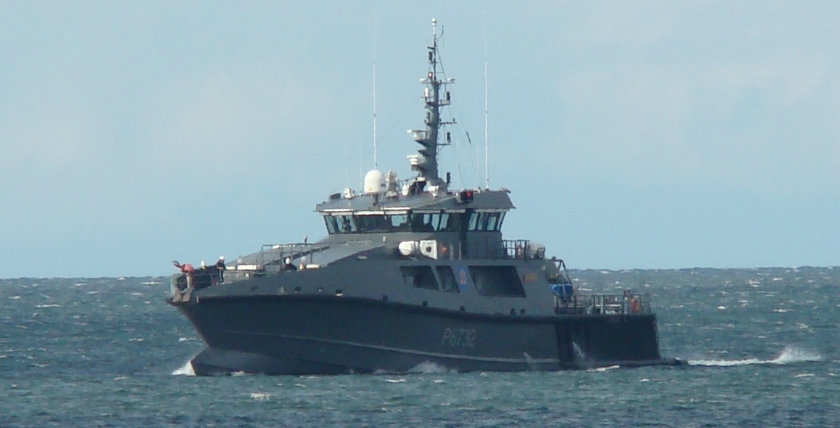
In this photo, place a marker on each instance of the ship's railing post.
(515, 248)
(173, 285)
(603, 304)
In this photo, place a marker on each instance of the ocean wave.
(260, 396)
(429, 368)
(185, 370)
(788, 356)
(604, 369)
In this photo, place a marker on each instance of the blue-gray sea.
(762, 346)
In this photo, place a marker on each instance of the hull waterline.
(299, 335)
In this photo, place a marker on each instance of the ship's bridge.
(463, 211)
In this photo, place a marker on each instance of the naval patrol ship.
(412, 274)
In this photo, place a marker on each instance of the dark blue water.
(762, 344)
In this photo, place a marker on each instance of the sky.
(644, 134)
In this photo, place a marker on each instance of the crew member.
(289, 267)
(635, 307)
(220, 268)
(187, 269)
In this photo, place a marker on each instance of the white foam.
(260, 396)
(788, 356)
(796, 355)
(604, 369)
(185, 370)
(428, 368)
(726, 363)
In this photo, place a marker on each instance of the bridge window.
(373, 223)
(431, 222)
(422, 222)
(501, 219)
(399, 223)
(444, 221)
(473, 225)
(340, 224)
(346, 224)
(332, 225)
(486, 221)
(492, 220)
(381, 223)
(419, 276)
(450, 222)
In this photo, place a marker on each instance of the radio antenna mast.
(374, 99)
(486, 147)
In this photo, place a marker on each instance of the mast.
(486, 147)
(374, 100)
(427, 164)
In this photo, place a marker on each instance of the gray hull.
(332, 335)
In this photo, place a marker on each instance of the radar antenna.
(435, 96)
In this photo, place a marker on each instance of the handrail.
(275, 254)
(269, 260)
(514, 248)
(607, 304)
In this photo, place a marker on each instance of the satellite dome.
(374, 182)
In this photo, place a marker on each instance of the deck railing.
(514, 248)
(270, 260)
(275, 254)
(608, 304)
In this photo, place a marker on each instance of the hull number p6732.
(459, 337)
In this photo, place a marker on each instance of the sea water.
(761, 345)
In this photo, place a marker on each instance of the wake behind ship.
(411, 273)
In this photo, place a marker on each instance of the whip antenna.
(374, 99)
(486, 147)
